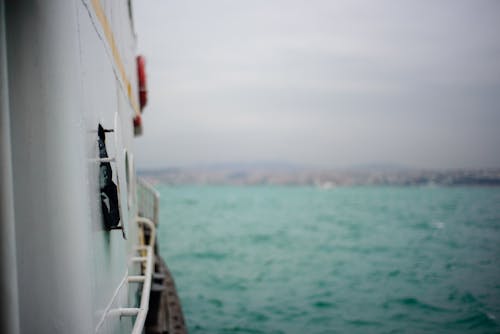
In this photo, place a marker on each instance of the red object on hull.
(141, 75)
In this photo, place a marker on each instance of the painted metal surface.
(9, 304)
(66, 82)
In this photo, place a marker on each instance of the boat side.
(71, 67)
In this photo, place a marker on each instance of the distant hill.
(290, 174)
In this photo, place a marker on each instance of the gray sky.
(322, 83)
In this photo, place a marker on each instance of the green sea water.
(347, 260)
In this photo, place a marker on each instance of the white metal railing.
(148, 210)
(148, 201)
(142, 311)
(146, 256)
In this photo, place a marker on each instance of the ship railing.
(145, 256)
(148, 200)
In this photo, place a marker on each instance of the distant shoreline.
(323, 178)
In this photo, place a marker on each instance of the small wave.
(479, 319)
(210, 255)
(394, 273)
(216, 302)
(261, 238)
(324, 305)
(258, 317)
(361, 322)
(322, 294)
(189, 201)
(240, 329)
(414, 303)
(198, 328)
(399, 316)
(236, 287)
(468, 298)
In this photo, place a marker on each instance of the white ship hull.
(67, 67)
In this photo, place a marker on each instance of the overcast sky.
(321, 83)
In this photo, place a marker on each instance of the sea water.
(265, 259)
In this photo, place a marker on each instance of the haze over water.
(269, 259)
